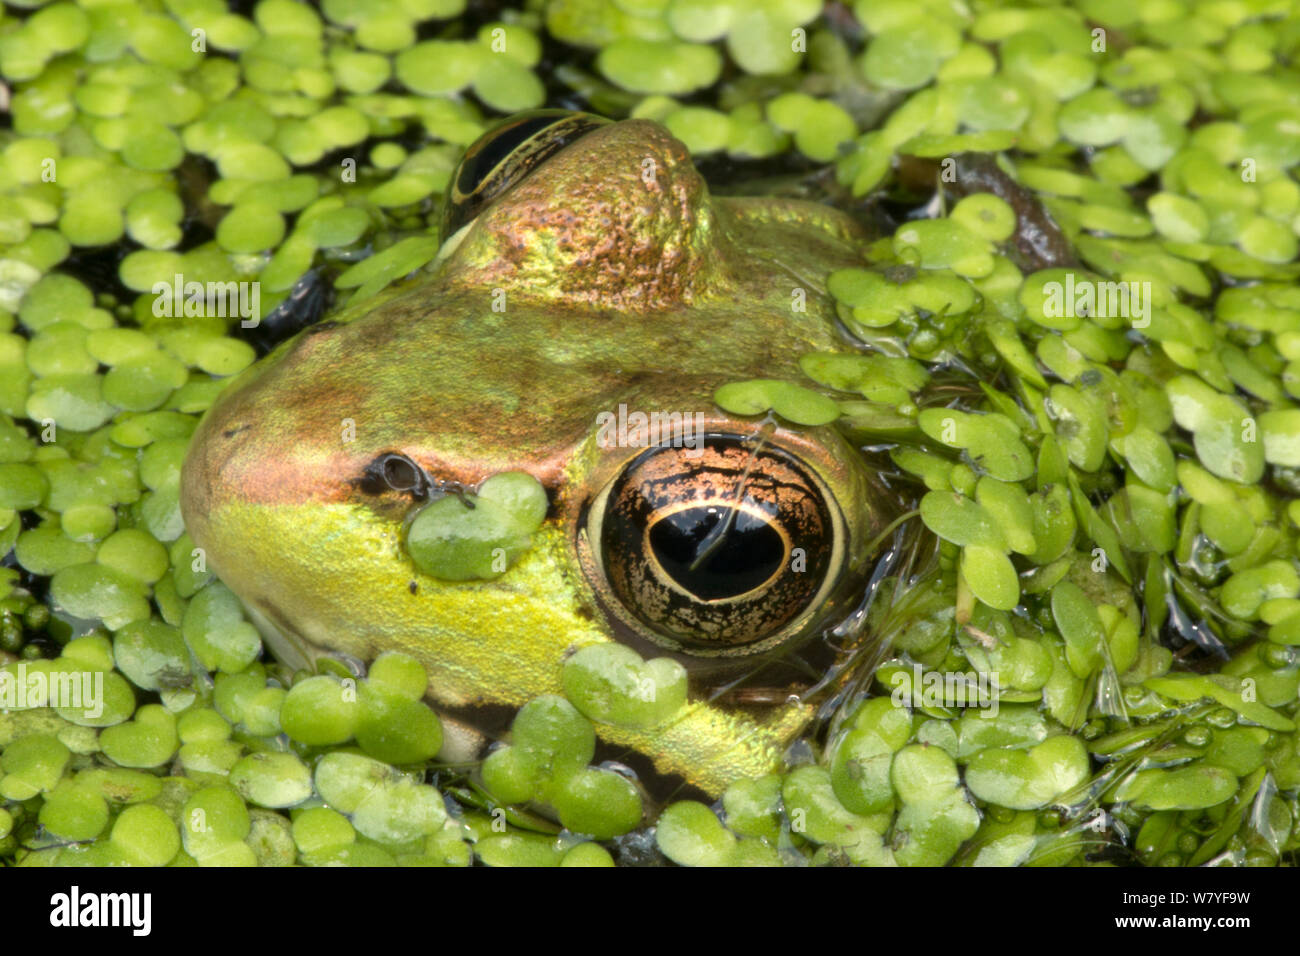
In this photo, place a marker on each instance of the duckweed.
(611, 684)
(1082, 352)
(689, 834)
(272, 779)
(149, 740)
(794, 402)
(478, 536)
(319, 711)
(393, 727)
(545, 764)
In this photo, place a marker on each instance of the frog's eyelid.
(451, 243)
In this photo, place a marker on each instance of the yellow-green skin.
(615, 278)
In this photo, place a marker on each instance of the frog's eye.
(720, 551)
(505, 156)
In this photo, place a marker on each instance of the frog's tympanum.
(588, 278)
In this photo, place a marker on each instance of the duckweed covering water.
(1112, 478)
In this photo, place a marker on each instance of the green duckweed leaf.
(1028, 779)
(794, 402)
(611, 684)
(1077, 620)
(991, 576)
(1179, 788)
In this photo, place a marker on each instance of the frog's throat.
(707, 744)
(461, 743)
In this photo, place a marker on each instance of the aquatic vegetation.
(1080, 372)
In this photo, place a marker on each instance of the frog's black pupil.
(750, 550)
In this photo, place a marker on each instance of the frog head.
(590, 297)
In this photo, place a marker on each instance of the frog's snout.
(244, 452)
(215, 473)
(261, 441)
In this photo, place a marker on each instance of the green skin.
(609, 276)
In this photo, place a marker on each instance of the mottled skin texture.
(623, 281)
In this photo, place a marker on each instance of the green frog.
(588, 284)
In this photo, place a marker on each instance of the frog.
(587, 273)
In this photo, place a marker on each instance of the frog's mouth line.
(464, 738)
(285, 645)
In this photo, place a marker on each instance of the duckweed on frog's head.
(352, 488)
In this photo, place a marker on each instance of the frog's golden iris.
(624, 283)
(720, 555)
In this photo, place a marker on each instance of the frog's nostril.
(401, 474)
(392, 471)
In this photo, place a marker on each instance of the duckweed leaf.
(1222, 688)
(1280, 431)
(1244, 592)
(597, 802)
(1004, 337)
(753, 807)
(809, 796)
(1099, 531)
(1009, 507)
(1016, 725)
(1226, 443)
(1150, 457)
(1028, 779)
(1080, 425)
(611, 684)
(1144, 518)
(993, 440)
(991, 576)
(1078, 622)
(1054, 524)
(520, 496)
(959, 519)
(1223, 430)
(880, 378)
(862, 757)
(459, 540)
(399, 259)
(936, 818)
(690, 834)
(794, 402)
(946, 244)
(659, 66)
(1179, 788)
